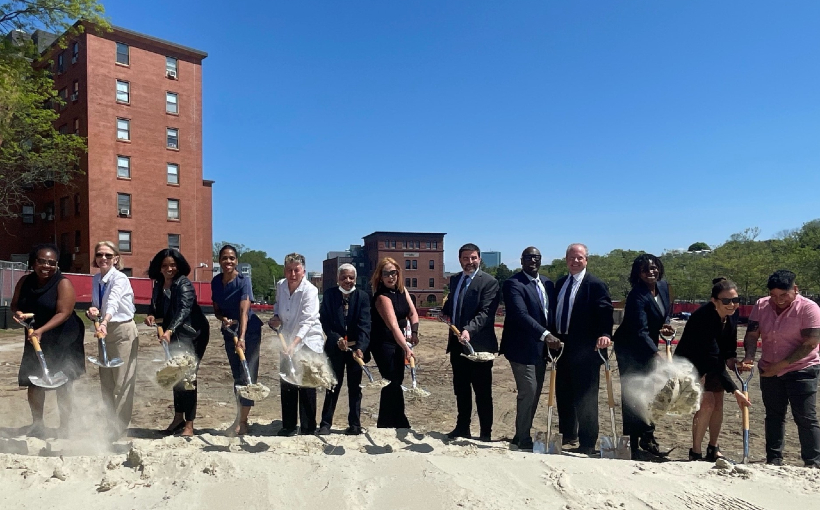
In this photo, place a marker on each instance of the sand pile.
(256, 391)
(181, 367)
(672, 387)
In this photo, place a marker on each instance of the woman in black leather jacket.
(185, 327)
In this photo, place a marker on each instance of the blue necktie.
(102, 292)
(540, 293)
(460, 299)
(565, 309)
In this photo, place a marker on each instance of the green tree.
(698, 246)
(240, 248)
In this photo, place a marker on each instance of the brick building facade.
(138, 102)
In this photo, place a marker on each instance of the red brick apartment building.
(421, 257)
(138, 101)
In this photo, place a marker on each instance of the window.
(63, 129)
(172, 135)
(392, 244)
(77, 241)
(173, 173)
(173, 209)
(124, 167)
(414, 283)
(124, 240)
(171, 67)
(173, 241)
(123, 204)
(435, 245)
(171, 102)
(123, 129)
(77, 127)
(64, 242)
(28, 214)
(415, 264)
(75, 91)
(123, 91)
(432, 264)
(387, 244)
(431, 298)
(123, 54)
(76, 204)
(63, 207)
(127, 271)
(60, 63)
(64, 97)
(75, 52)
(431, 283)
(429, 245)
(407, 264)
(407, 282)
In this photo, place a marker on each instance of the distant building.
(245, 268)
(491, 258)
(315, 278)
(330, 267)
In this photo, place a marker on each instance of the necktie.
(539, 286)
(464, 281)
(565, 309)
(102, 291)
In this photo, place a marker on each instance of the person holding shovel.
(185, 327)
(708, 340)
(345, 317)
(647, 315)
(112, 301)
(296, 312)
(231, 293)
(47, 294)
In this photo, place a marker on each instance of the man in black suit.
(345, 317)
(583, 318)
(471, 308)
(529, 301)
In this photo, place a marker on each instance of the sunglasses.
(108, 256)
(47, 262)
(727, 301)
(389, 274)
(531, 257)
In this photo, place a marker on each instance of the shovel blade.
(615, 447)
(555, 444)
(112, 363)
(55, 381)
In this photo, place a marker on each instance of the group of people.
(573, 316)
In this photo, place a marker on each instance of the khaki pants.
(118, 384)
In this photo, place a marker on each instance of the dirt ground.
(153, 406)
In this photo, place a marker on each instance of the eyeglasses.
(531, 257)
(726, 300)
(389, 274)
(47, 262)
(108, 256)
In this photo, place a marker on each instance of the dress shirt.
(456, 294)
(118, 297)
(780, 334)
(575, 281)
(545, 302)
(299, 313)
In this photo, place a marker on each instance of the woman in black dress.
(647, 314)
(708, 340)
(391, 308)
(47, 294)
(185, 327)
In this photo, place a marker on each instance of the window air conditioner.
(125, 212)
(75, 96)
(171, 74)
(76, 249)
(172, 145)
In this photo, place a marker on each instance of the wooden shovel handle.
(358, 360)
(553, 374)
(26, 316)
(412, 362)
(455, 330)
(34, 340)
(745, 413)
(239, 351)
(98, 333)
(282, 340)
(610, 396)
(669, 352)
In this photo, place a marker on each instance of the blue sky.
(622, 124)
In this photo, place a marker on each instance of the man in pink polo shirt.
(788, 326)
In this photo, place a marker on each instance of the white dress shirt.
(299, 313)
(545, 302)
(118, 298)
(575, 281)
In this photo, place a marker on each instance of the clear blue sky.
(622, 124)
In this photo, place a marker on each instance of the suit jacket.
(638, 334)
(356, 326)
(708, 342)
(478, 305)
(184, 317)
(525, 322)
(590, 318)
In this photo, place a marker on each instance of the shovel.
(48, 380)
(105, 363)
(744, 383)
(288, 374)
(614, 447)
(414, 390)
(668, 340)
(250, 391)
(472, 356)
(555, 441)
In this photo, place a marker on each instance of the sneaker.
(324, 430)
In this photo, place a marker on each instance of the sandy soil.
(407, 469)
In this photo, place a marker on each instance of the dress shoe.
(525, 444)
(353, 430)
(307, 432)
(485, 436)
(457, 432)
(588, 450)
(571, 442)
(514, 440)
(324, 430)
(777, 461)
(286, 432)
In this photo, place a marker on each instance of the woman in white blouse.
(297, 312)
(112, 299)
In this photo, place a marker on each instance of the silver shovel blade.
(556, 443)
(55, 381)
(615, 448)
(112, 363)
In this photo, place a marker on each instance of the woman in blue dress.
(231, 293)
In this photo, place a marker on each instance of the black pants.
(304, 399)
(637, 422)
(389, 358)
(469, 376)
(253, 339)
(576, 397)
(798, 388)
(184, 400)
(339, 361)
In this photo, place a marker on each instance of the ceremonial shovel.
(288, 374)
(48, 381)
(744, 382)
(105, 363)
(614, 447)
(555, 441)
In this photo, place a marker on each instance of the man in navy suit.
(529, 298)
(345, 317)
(583, 321)
(471, 308)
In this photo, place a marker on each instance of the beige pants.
(118, 384)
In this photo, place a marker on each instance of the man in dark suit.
(529, 301)
(471, 308)
(345, 317)
(583, 319)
